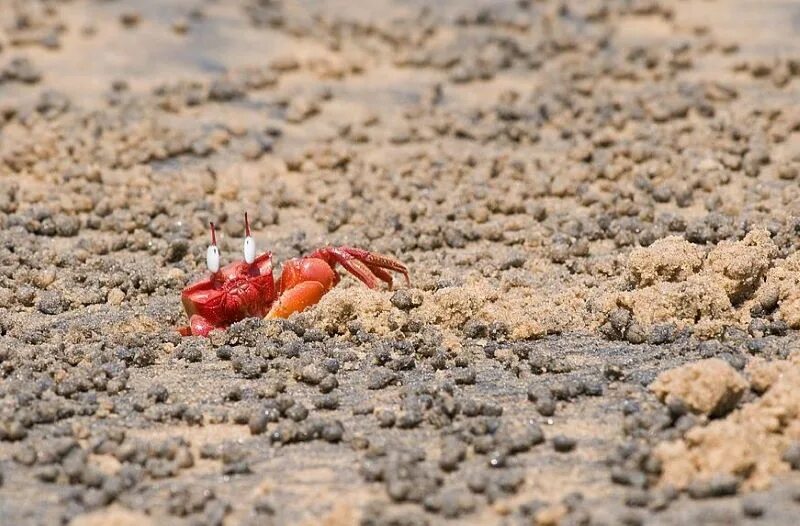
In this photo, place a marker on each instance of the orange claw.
(297, 298)
(296, 271)
(304, 281)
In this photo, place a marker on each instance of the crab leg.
(382, 275)
(368, 267)
(304, 281)
(198, 326)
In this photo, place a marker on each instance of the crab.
(244, 289)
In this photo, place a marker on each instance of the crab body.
(247, 288)
(235, 292)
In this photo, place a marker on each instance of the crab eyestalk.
(212, 254)
(249, 243)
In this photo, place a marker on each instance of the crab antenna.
(212, 254)
(249, 243)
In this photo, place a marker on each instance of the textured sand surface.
(598, 202)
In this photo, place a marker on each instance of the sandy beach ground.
(598, 203)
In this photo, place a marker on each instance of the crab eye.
(249, 243)
(212, 254)
(212, 258)
(249, 250)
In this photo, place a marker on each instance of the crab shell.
(237, 291)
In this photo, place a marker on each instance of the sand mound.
(782, 288)
(670, 259)
(523, 315)
(710, 387)
(750, 442)
(739, 267)
(674, 281)
(671, 282)
(372, 309)
(529, 316)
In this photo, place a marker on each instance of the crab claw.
(297, 298)
(304, 281)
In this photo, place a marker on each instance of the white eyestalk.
(212, 254)
(249, 243)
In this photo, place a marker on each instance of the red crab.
(247, 288)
